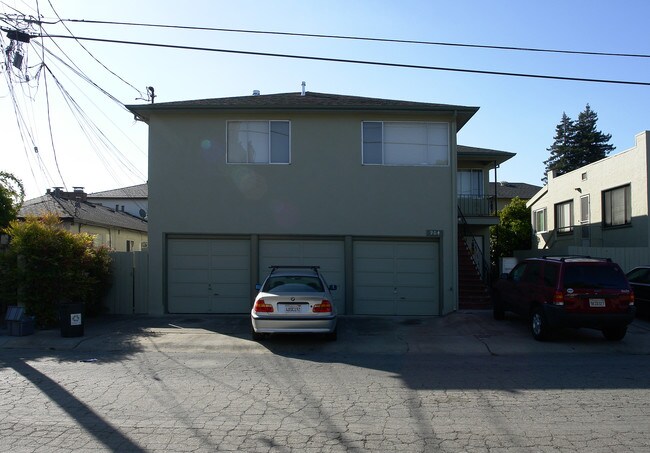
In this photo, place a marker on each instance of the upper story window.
(617, 207)
(470, 182)
(563, 216)
(258, 142)
(405, 143)
(540, 220)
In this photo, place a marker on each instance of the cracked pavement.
(462, 383)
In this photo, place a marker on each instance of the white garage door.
(326, 254)
(208, 276)
(396, 278)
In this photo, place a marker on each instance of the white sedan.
(294, 299)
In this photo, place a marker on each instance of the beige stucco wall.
(627, 167)
(114, 238)
(324, 191)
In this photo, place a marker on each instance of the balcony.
(477, 205)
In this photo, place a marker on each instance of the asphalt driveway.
(464, 332)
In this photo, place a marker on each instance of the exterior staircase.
(473, 291)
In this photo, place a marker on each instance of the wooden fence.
(130, 284)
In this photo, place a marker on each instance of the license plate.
(596, 302)
(292, 308)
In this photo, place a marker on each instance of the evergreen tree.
(591, 144)
(562, 148)
(577, 143)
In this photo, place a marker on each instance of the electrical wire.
(23, 129)
(90, 53)
(74, 68)
(94, 134)
(49, 124)
(361, 62)
(358, 38)
(85, 78)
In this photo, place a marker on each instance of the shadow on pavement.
(94, 424)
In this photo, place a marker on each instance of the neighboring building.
(365, 188)
(506, 191)
(603, 204)
(117, 230)
(132, 199)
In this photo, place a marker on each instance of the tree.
(577, 143)
(591, 144)
(561, 149)
(46, 265)
(12, 194)
(514, 231)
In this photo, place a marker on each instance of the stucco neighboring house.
(506, 191)
(117, 230)
(132, 199)
(365, 188)
(603, 204)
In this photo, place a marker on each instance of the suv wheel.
(539, 325)
(497, 307)
(615, 333)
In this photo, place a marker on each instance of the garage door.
(326, 254)
(396, 278)
(208, 276)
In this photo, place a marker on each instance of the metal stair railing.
(478, 255)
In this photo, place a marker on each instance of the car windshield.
(590, 276)
(293, 284)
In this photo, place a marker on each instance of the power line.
(360, 38)
(86, 125)
(49, 123)
(79, 73)
(362, 62)
(90, 53)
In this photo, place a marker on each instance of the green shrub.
(47, 265)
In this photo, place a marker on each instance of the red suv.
(576, 291)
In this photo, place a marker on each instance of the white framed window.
(540, 220)
(470, 182)
(584, 209)
(617, 207)
(258, 142)
(405, 143)
(563, 216)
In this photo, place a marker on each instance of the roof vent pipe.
(256, 92)
(303, 88)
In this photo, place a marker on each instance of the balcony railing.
(477, 205)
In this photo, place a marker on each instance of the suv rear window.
(594, 276)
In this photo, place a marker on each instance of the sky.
(86, 139)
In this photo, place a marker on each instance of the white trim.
(545, 220)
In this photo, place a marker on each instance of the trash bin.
(72, 320)
(18, 323)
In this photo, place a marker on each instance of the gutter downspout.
(496, 212)
(453, 237)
